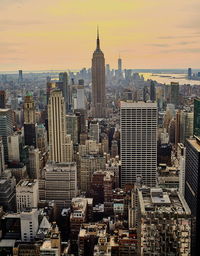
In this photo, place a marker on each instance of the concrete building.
(29, 121)
(14, 147)
(72, 127)
(168, 177)
(88, 235)
(34, 163)
(6, 128)
(52, 245)
(69, 148)
(57, 127)
(27, 195)
(29, 224)
(7, 193)
(88, 165)
(94, 131)
(98, 82)
(2, 99)
(81, 212)
(114, 148)
(41, 138)
(181, 154)
(186, 125)
(138, 142)
(174, 99)
(2, 162)
(59, 183)
(164, 223)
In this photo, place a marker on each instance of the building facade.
(138, 142)
(98, 82)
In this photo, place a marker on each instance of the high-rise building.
(94, 131)
(27, 195)
(14, 147)
(7, 193)
(29, 121)
(2, 161)
(164, 222)
(65, 88)
(6, 128)
(186, 125)
(69, 150)
(33, 163)
(57, 127)
(41, 138)
(20, 78)
(138, 142)
(29, 224)
(175, 93)
(119, 64)
(152, 92)
(192, 192)
(98, 82)
(189, 73)
(72, 127)
(59, 183)
(196, 117)
(2, 99)
(88, 165)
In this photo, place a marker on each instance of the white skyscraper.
(57, 127)
(138, 142)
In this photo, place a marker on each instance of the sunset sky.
(61, 34)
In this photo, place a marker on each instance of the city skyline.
(60, 34)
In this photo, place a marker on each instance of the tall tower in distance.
(98, 82)
(119, 64)
(57, 127)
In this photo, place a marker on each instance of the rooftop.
(26, 183)
(139, 104)
(158, 200)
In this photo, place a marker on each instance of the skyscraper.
(192, 191)
(2, 163)
(175, 93)
(189, 73)
(119, 64)
(196, 126)
(65, 88)
(2, 99)
(6, 128)
(57, 127)
(98, 82)
(20, 76)
(152, 92)
(29, 121)
(138, 142)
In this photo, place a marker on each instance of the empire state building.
(98, 82)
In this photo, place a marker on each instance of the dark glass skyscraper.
(2, 99)
(197, 117)
(98, 82)
(175, 93)
(192, 189)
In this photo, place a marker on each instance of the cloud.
(158, 45)
(182, 50)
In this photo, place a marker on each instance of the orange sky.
(60, 34)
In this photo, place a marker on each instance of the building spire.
(98, 40)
